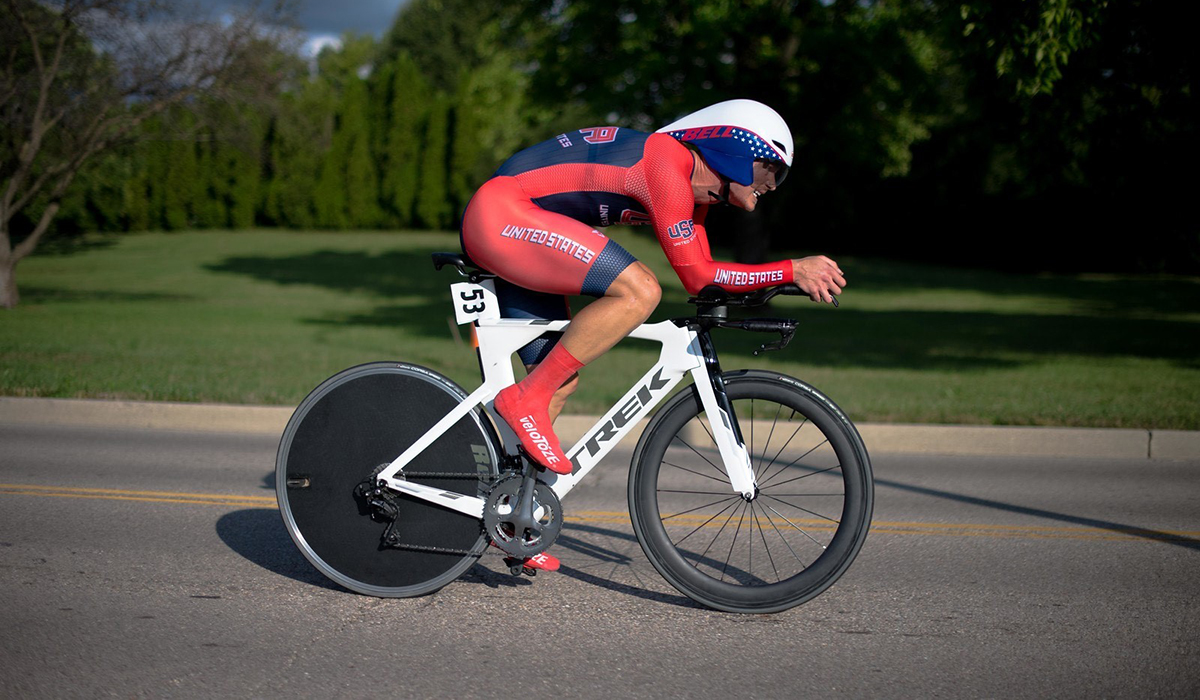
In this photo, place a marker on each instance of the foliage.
(1007, 133)
(79, 78)
(1034, 41)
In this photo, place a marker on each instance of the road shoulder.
(879, 437)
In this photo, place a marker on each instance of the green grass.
(261, 317)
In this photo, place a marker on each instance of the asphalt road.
(151, 563)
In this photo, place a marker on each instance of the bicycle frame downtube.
(679, 355)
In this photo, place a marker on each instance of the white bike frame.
(499, 338)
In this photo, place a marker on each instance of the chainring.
(500, 512)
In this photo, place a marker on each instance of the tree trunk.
(8, 285)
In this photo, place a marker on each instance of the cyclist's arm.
(679, 225)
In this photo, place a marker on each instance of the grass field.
(261, 317)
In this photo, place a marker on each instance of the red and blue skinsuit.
(533, 223)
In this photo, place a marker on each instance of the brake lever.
(785, 337)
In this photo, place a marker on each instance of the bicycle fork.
(728, 433)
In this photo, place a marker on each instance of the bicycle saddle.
(465, 265)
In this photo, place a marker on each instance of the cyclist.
(533, 225)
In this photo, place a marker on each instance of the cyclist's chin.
(742, 197)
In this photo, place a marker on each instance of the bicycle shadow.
(258, 536)
(602, 555)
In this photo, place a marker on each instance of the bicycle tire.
(806, 524)
(339, 435)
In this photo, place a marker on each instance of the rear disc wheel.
(339, 435)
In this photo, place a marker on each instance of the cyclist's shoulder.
(665, 150)
(595, 145)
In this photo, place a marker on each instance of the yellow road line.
(127, 495)
(622, 518)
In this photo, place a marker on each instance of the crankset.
(522, 515)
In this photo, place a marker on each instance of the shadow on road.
(1172, 538)
(258, 535)
(604, 555)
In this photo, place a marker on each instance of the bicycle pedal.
(517, 567)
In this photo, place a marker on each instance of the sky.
(325, 20)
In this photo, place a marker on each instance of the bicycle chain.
(478, 550)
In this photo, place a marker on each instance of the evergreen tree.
(136, 192)
(352, 143)
(490, 124)
(408, 109)
(300, 134)
(179, 197)
(208, 191)
(433, 205)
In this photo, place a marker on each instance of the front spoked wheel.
(789, 543)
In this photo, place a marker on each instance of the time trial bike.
(749, 491)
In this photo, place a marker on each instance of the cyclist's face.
(767, 175)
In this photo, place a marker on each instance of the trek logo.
(642, 399)
(682, 230)
(541, 441)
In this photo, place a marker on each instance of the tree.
(853, 80)
(77, 79)
(442, 37)
(407, 97)
(1033, 41)
(433, 204)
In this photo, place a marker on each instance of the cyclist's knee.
(638, 285)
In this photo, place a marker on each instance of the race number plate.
(474, 301)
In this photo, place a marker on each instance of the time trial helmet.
(731, 135)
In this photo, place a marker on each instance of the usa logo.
(682, 230)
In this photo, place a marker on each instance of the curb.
(880, 437)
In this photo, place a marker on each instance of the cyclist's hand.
(819, 277)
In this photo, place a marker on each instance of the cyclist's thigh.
(509, 235)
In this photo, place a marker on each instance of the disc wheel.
(786, 545)
(339, 435)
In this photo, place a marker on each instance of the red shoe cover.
(540, 443)
(526, 408)
(543, 561)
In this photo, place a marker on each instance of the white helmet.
(732, 135)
